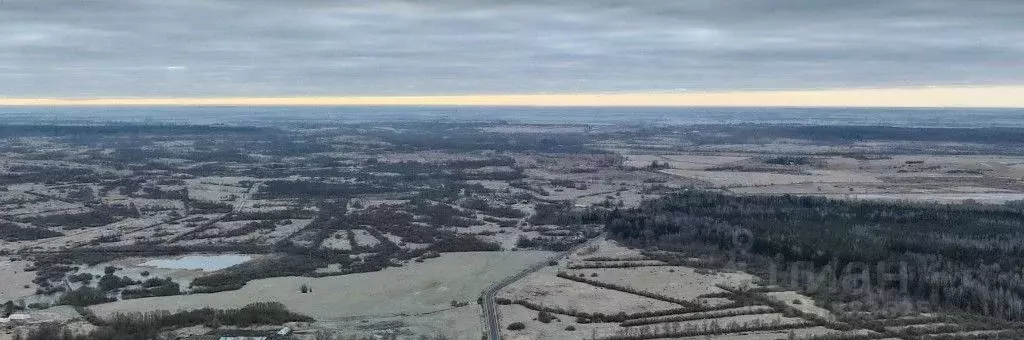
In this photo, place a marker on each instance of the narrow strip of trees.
(692, 306)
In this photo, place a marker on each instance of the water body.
(270, 116)
(206, 263)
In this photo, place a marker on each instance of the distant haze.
(994, 97)
(277, 116)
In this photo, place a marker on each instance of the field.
(602, 302)
(647, 300)
(951, 179)
(396, 228)
(16, 278)
(419, 294)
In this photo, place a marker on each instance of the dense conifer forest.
(963, 257)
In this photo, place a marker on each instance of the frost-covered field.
(544, 289)
(418, 290)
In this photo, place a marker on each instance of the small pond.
(206, 263)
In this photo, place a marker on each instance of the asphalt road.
(491, 308)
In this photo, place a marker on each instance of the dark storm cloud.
(87, 48)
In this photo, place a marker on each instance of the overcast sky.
(189, 48)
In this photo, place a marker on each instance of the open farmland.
(639, 299)
(395, 229)
(424, 291)
(644, 300)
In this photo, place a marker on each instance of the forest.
(746, 133)
(956, 256)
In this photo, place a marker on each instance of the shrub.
(153, 287)
(545, 316)
(81, 277)
(83, 296)
(110, 282)
(39, 305)
(516, 326)
(464, 243)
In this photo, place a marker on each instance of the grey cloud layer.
(84, 48)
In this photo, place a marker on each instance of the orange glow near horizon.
(992, 97)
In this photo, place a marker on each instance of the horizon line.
(908, 97)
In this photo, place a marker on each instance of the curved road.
(491, 308)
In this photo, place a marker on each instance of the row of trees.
(711, 328)
(235, 277)
(149, 326)
(721, 313)
(690, 305)
(587, 317)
